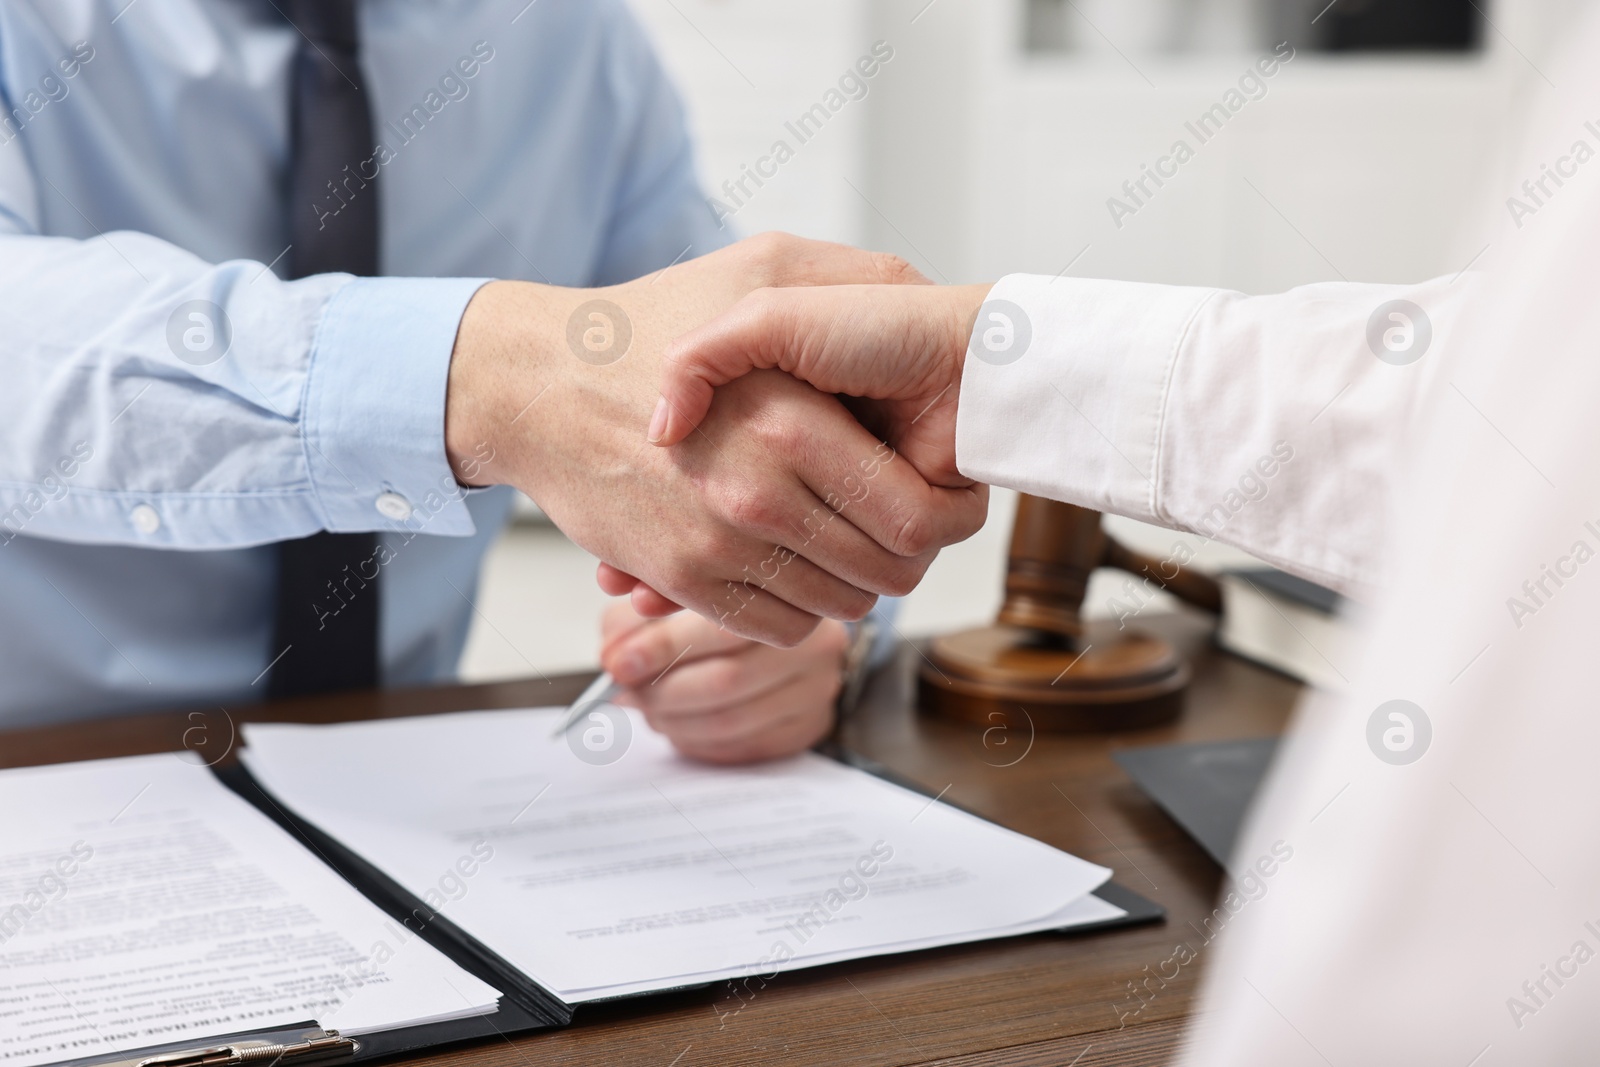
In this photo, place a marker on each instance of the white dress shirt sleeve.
(1272, 423)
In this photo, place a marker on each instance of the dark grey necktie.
(327, 614)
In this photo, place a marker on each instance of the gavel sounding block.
(1107, 678)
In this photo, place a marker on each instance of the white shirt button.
(394, 506)
(145, 519)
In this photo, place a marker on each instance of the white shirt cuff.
(1065, 389)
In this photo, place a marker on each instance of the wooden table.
(1043, 999)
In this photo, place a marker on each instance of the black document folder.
(524, 1005)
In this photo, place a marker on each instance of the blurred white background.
(990, 144)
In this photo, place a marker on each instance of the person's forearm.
(1270, 423)
(503, 350)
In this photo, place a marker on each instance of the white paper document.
(653, 871)
(143, 902)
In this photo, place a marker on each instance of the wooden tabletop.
(1046, 999)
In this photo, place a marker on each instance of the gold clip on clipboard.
(291, 1048)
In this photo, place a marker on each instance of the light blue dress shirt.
(148, 457)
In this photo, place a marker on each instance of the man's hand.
(721, 698)
(900, 350)
(781, 509)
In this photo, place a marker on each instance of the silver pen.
(600, 690)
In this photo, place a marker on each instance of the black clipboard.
(524, 1007)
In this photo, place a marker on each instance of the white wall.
(992, 160)
(975, 158)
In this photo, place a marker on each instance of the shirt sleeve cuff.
(373, 423)
(1072, 409)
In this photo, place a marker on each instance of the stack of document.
(491, 879)
(144, 902)
(654, 872)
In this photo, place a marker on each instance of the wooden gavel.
(1070, 674)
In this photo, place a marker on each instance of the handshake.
(765, 435)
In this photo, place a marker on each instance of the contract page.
(650, 871)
